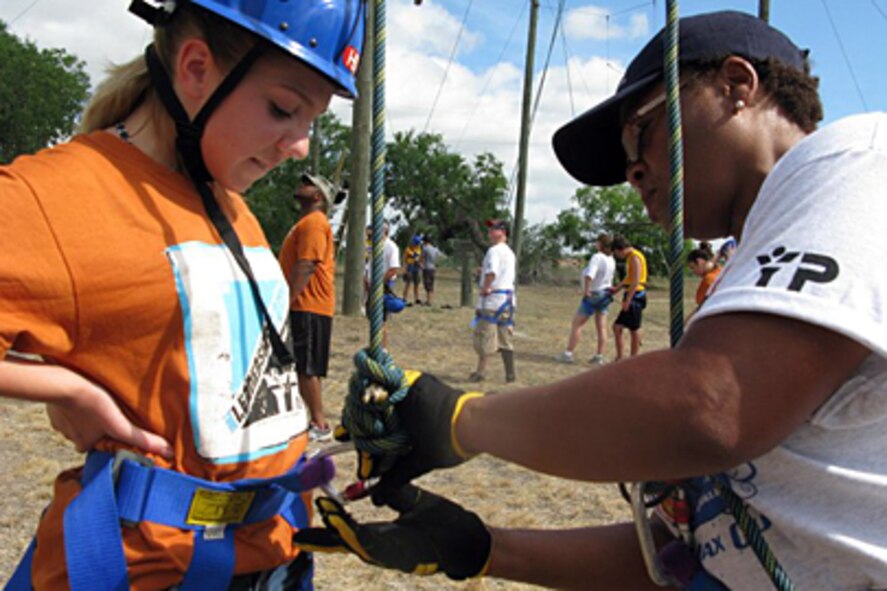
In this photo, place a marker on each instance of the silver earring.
(738, 105)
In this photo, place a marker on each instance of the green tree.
(438, 191)
(42, 92)
(617, 210)
(271, 199)
(541, 252)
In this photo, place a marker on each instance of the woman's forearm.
(37, 382)
(605, 557)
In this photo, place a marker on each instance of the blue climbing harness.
(126, 489)
(504, 316)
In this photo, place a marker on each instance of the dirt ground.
(433, 339)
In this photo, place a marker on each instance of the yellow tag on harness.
(213, 507)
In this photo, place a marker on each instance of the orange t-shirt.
(111, 268)
(311, 239)
(705, 284)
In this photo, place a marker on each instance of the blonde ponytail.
(117, 95)
(129, 85)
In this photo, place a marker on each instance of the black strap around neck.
(229, 237)
(189, 133)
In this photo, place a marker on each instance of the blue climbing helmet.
(393, 304)
(327, 35)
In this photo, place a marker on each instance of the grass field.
(432, 339)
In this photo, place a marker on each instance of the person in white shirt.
(769, 418)
(596, 298)
(494, 314)
(391, 265)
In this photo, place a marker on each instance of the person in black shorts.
(308, 262)
(634, 298)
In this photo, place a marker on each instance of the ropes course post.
(676, 162)
(378, 179)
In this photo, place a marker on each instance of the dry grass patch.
(435, 340)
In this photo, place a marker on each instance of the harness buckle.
(119, 456)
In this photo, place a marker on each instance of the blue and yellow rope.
(378, 180)
(373, 424)
(752, 534)
(676, 161)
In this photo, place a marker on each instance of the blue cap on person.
(327, 35)
(590, 146)
(417, 239)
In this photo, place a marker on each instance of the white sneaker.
(319, 434)
(565, 357)
(596, 360)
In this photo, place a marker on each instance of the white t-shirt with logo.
(600, 270)
(500, 261)
(810, 250)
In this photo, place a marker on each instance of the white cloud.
(598, 23)
(428, 29)
(588, 22)
(477, 111)
(100, 32)
(639, 25)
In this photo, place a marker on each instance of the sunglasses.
(636, 123)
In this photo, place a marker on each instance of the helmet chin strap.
(188, 136)
(189, 133)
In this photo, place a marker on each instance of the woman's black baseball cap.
(590, 146)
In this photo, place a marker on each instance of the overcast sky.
(478, 101)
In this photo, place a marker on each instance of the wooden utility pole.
(764, 10)
(517, 230)
(316, 139)
(361, 122)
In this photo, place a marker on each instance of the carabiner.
(645, 537)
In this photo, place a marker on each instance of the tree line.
(430, 188)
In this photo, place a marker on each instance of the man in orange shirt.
(701, 264)
(309, 265)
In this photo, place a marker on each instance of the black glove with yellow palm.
(430, 535)
(404, 428)
(428, 414)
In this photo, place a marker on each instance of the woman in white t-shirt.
(596, 298)
(768, 420)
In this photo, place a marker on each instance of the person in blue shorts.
(597, 278)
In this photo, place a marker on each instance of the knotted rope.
(375, 388)
(377, 384)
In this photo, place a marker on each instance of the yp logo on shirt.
(805, 267)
